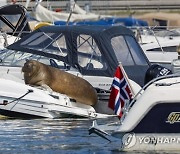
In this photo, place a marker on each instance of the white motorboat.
(161, 46)
(162, 52)
(150, 122)
(19, 100)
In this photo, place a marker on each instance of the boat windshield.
(18, 58)
(53, 43)
(127, 51)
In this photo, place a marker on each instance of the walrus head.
(30, 69)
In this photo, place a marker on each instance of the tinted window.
(136, 51)
(127, 51)
(121, 50)
(47, 42)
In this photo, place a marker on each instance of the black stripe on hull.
(19, 115)
(156, 120)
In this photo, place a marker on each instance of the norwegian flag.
(120, 91)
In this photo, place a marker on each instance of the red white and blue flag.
(120, 92)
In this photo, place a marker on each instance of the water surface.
(62, 136)
(50, 136)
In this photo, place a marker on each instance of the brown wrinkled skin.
(38, 74)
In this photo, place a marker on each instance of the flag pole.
(126, 105)
(124, 73)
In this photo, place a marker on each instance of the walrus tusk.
(36, 73)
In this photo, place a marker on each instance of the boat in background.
(111, 21)
(155, 34)
(78, 16)
(163, 54)
(160, 46)
(14, 24)
(162, 20)
(76, 13)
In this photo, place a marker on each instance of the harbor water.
(51, 136)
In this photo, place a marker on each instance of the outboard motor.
(155, 71)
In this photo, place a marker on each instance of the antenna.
(72, 5)
(152, 30)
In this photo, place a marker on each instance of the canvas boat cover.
(13, 20)
(44, 15)
(166, 20)
(125, 21)
(93, 50)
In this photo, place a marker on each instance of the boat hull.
(14, 114)
(38, 102)
(152, 121)
(149, 142)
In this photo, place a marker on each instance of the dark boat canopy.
(93, 50)
(13, 20)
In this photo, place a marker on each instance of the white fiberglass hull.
(149, 142)
(151, 122)
(23, 101)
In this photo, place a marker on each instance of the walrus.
(39, 74)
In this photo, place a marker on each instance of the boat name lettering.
(173, 117)
(104, 84)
